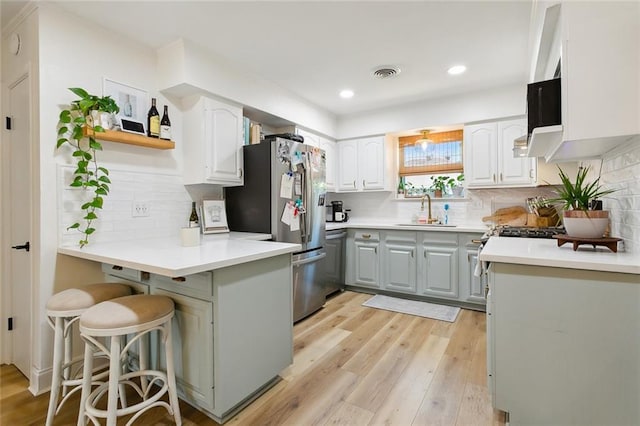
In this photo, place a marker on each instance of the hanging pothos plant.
(88, 173)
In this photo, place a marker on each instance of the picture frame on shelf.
(213, 217)
(133, 102)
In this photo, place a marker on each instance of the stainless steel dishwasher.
(335, 247)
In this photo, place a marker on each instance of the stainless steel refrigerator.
(283, 195)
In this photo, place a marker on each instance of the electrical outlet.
(476, 203)
(140, 209)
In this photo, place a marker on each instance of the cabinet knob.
(501, 177)
(364, 184)
(494, 177)
(411, 253)
(240, 172)
(179, 279)
(116, 268)
(354, 183)
(366, 236)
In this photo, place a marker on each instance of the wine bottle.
(153, 120)
(193, 219)
(165, 125)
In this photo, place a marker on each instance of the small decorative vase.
(437, 193)
(586, 223)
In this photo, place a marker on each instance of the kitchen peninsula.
(233, 299)
(562, 332)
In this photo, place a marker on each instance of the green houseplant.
(88, 174)
(439, 184)
(578, 200)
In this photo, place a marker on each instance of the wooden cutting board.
(514, 216)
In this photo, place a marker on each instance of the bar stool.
(136, 315)
(63, 309)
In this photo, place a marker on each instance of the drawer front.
(367, 235)
(122, 272)
(195, 285)
(449, 238)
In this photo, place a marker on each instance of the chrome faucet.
(429, 219)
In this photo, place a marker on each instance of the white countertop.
(166, 256)
(395, 225)
(545, 252)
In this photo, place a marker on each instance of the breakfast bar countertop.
(166, 256)
(545, 252)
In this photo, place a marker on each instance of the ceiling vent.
(386, 72)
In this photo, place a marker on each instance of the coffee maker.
(336, 212)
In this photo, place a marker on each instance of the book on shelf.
(256, 131)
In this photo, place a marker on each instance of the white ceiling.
(316, 49)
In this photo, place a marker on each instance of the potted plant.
(458, 188)
(89, 175)
(578, 200)
(439, 184)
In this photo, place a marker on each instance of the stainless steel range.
(529, 232)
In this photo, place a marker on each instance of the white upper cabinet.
(600, 70)
(361, 164)
(212, 142)
(488, 155)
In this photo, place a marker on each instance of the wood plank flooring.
(353, 365)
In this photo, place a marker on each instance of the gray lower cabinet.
(364, 270)
(433, 264)
(438, 265)
(192, 347)
(399, 262)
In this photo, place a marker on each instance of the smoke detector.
(386, 71)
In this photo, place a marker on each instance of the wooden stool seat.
(137, 315)
(63, 309)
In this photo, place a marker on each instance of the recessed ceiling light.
(457, 69)
(346, 94)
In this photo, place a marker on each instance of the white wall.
(186, 67)
(476, 106)
(76, 54)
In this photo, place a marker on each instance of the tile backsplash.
(469, 210)
(621, 171)
(164, 195)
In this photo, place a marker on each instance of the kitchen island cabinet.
(233, 301)
(562, 333)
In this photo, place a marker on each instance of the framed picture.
(213, 217)
(133, 102)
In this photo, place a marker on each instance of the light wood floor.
(352, 366)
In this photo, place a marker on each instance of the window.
(443, 155)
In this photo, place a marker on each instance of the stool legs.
(171, 375)
(114, 381)
(58, 348)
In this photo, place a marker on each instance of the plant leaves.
(62, 130)
(79, 120)
(77, 133)
(91, 216)
(103, 170)
(101, 191)
(76, 183)
(85, 206)
(65, 116)
(89, 231)
(82, 164)
(104, 179)
(79, 92)
(74, 226)
(78, 153)
(97, 202)
(61, 142)
(98, 129)
(87, 155)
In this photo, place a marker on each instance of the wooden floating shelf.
(130, 139)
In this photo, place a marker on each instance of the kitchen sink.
(430, 225)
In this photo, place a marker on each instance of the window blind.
(442, 155)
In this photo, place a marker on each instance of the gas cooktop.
(529, 232)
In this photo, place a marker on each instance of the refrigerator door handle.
(308, 260)
(307, 198)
